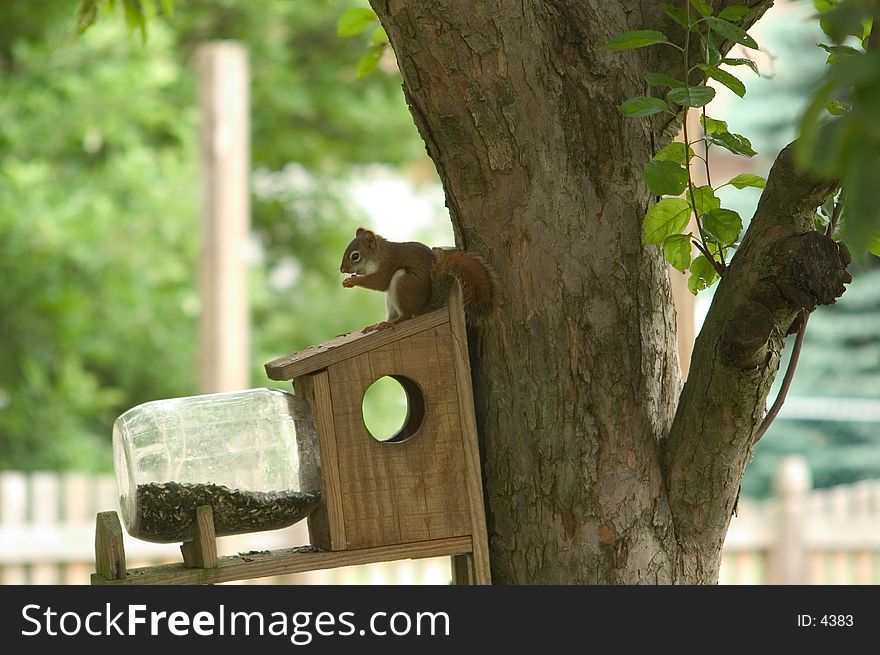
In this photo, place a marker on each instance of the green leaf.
(635, 39)
(837, 108)
(86, 15)
(823, 6)
(709, 49)
(704, 199)
(743, 180)
(703, 274)
(874, 246)
(691, 96)
(827, 207)
(731, 32)
(665, 178)
(735, 61)
(846, 19)
(723, 225)
(642, 106)
(134, 16)
(712, 125)
(354, 21)
(677, 14)
(861, 172)
(837, 53)
(734, 13)
(368, 63)
(669, 216)
(735, 143)
(728, 80)
(677, 250)
(675, 151)
(659, 79)
(701, 6)
(380, 37)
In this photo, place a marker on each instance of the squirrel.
(416, 278)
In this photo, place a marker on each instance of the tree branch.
(782, 268)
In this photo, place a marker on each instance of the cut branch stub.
(807, 270)
(810, 270)
(746, 334)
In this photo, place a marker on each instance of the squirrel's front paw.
(350, 281)
(377, 326)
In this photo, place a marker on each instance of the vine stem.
(704, 248)
(715, 263)
(786, 381)
(706, 145)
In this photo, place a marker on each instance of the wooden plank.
(109, 551)
(78, 508)
(414, 489)
(462, 569)
(286, 561)
(201, 552)
(402, 465)
(368, 493)
(45, 510)
(474, 475)
(13, 513)
(348, 345)
(329, 524)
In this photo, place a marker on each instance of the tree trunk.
(576, 377)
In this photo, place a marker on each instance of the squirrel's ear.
(359, 231)
(366, 235)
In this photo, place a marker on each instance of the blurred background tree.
(99, 216)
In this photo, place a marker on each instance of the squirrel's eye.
(355, 256)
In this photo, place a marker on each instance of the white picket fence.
(47, 536)
(806, 536)
(47, 524)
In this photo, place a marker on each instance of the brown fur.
(479, 287)
(426, 276)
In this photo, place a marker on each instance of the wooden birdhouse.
(424, 484)
(418, 494)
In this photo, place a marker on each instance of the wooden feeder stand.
(417, 495)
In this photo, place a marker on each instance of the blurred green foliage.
(840, 131)
(99, 205)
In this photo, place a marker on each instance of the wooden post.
(463, 569)
(474, 569)
(225, 162)
(201, 552)
(787, 557)
(109, 549)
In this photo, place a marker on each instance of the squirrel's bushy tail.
(479, 287)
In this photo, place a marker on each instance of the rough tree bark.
(591, 475)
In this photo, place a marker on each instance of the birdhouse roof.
(350, 345)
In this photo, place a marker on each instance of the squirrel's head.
(360, 255)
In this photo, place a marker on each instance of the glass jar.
(251, 455)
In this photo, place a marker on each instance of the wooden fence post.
(225, 161)
(787, 557)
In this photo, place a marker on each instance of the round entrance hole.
(393, 409)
